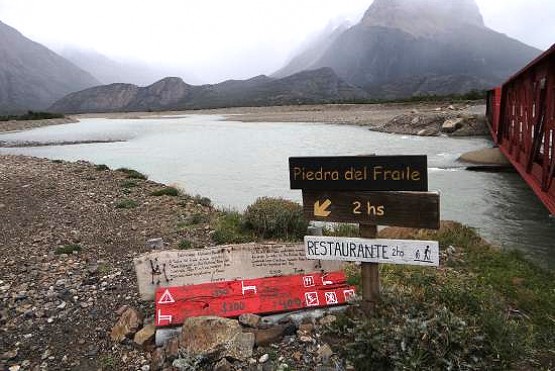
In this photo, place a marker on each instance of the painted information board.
(404, 209)
(259, 296)
(222, 263)
(412, 252)
(359, 173)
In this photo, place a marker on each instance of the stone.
(305, 328)
(128, 324)
(240, 347)
(215, 337)
(172, 348)
(223, 365)
(155, 243)
(306, 339)
(163, 335)
(325, 352)
(328, 320)
(265, 357)
(157, 360)
(10, 354)
(264, 337)
(145, 335)
(452, 125)
(249, 319)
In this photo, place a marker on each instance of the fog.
(214, 40)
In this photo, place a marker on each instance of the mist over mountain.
(32, 76)
(109, 71)
(408, 47)
(172, 93)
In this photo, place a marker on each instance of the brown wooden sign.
(404, 209)
(359, 173)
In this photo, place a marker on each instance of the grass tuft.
(167, 191)
(67, 249)
(132, 174)
(126, 204)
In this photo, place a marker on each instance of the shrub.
(168, 191)
(126, 204)
(185, 244)
(67, 249)
(204, 201)
(230, 229)
(101, 167)
(129, 184)
(132, 174)
(276, 218)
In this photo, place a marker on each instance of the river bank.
(69, 233)
(426, 118)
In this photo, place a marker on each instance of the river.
(234, 162)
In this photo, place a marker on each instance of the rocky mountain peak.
(423, 17)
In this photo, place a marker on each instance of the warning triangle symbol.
(166, 298)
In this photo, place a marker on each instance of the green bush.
(204, 201)
(185, 244)
(230, 229)
(126, 204)
(132, 174)
(129, 184)
(67, 249)
(276, 218)
(101, 167)
(168, 191)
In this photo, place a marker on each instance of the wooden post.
(369, 273)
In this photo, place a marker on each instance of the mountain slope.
(172, 93)
(406, 47)
(32, 77)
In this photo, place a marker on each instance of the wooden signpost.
(411, 252)
(385, 190)
(405, 209)
(259, 296)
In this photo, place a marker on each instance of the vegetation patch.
(230, 228)
(129, 183)
(185, 245)
(101, 167)
(32, 115)
(340, 230)
(126, 204)
(167, 191)
(67, 249)
(481, 309)
(276, 218)
(204, 201)
(132, 174)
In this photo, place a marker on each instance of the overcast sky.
(222, 39)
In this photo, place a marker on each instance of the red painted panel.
(259, 296)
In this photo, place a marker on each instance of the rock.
(172, 348)
(158, 358)
(328, 320)
(306, 339)
(264, 358)
(223, 365)
(428, 132)
(305, 328)
(155, 243)
(127, 325)
(15, 368)
(273, 334)
(452, 125)
(145, 335)
(240, 348)
(215, 337)
(487, 156)
(451, 107)
(249, 319)
(325, 352)
(10, 354)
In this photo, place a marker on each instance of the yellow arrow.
(320, 210)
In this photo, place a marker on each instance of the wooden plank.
(369, 273)
(403, 209)
(359, 173)
(222, 263)
(412, 252)
(259, 296)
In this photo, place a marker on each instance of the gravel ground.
(57, 310)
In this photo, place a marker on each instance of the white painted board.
(411, 252)
(223, 263)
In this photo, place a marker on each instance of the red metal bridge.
(521, 116)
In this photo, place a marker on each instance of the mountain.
(316, 86)
(109, 71)
(32, 76)
(413, 47)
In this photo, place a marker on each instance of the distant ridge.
(172, 93)
(32, 76)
